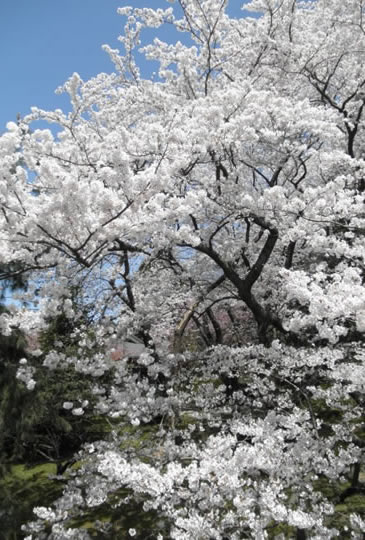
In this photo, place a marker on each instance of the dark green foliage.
(21, 490)
(34, 424)
(39, 427)
(59, 334)
(35, 427)
(12, 349)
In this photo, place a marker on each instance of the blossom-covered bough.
(233, 177)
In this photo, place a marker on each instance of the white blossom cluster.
(214, 214)
(221, 467)
(25, 374)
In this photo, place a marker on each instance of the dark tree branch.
(289, 255)
(265, 253)
(216, 326)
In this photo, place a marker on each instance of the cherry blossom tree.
(233, 179)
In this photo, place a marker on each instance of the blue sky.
(42, 42)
